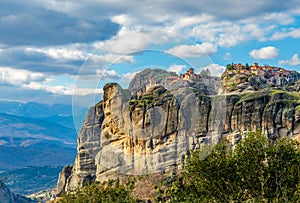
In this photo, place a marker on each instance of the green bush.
(133, 102)
(106, 192)
(148, 97)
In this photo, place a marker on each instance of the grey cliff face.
(151, 132)
(6, 195)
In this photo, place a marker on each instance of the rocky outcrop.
(130, 134)
(62, 179)
(6, 196)
(242, 80)
(143, 78)
(89, 144)
(274, 113)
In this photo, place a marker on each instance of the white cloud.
(294, 61)
(62, 90)
(268, 52)
(227, 56)
(19, 77)
(87, 91)
(294, 33)
(185, 21)
(282, 18)
(190, 51)
(74, 53)
(113, 58)
(223, 33)
(59, 53)
(107, 74)
(176, 68)
(38, 81)
(127, 77)
(214, 69)
(122, 19)
(230, 33)
(132, 42)
(270, 18)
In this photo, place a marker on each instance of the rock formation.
(6, 196)
(151, 130)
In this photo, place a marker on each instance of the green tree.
(255, 171)
(247, 66)
(229, 67)
(283, 171)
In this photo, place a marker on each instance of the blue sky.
(63, 51)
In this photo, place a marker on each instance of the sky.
(63, 51)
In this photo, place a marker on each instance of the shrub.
(106, 192)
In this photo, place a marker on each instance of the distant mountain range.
(33, 134)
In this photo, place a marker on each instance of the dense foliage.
(106, 192)
(255, 171)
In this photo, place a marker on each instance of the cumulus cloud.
(187, 21)
(19, 77)
(133, 42)
(39, 60)
(59, 53)
(113, 58)
(63, 90)
(268, 52)
(227, 56)
(58, 60)
(25, 95)
(294, 33)
(38, 81)
(190, 51)
(71, 53)
(230, 33)
(127, 77)
(282, 18)
(107, 75)
(294, 61)
(122, 19)
(176, 68)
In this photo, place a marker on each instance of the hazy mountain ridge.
(36, 134)
(33, 134)
(31, 179)
(34, 110)
(16, 126)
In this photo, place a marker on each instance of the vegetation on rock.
(106, 192)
